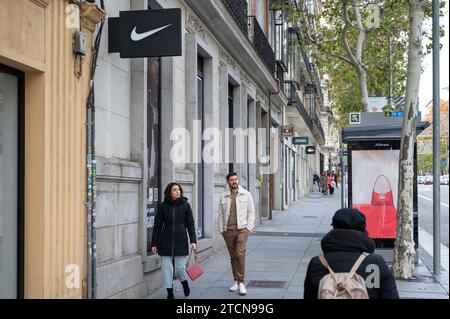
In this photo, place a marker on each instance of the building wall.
(34, 38)
(123, 267)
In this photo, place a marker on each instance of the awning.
(377, 132)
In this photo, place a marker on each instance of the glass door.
(10, 198)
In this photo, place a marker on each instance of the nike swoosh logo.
(139, 36)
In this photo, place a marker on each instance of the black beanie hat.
(349, 218)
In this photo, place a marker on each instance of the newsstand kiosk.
(371, 174)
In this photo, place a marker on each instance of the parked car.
(444, 179)
(429, 180)
(421, 179)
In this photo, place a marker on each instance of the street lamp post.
(436, 145)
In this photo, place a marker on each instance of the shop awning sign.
(300, 140)
(309, 150)
(146, 33)
(287, 131)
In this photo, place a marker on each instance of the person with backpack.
(348, 267)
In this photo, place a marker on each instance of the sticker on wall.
(150, 217)
(150, 195)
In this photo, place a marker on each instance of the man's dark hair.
(230, 174)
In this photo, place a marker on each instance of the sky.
(426, 80)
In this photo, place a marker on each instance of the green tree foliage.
(384, 22)
(424, 163)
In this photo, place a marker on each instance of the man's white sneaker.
(242, 290)
(234, 287)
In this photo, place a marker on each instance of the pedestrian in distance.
(348, 267)
(236, 220)
(336, 179)
(173, 221)
(316, 180)
(323, 184)
(330, 183)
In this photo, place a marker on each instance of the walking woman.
(170, 241)
(330, 183)
(323, 183)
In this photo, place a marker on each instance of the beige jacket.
(245, 210)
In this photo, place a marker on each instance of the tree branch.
(362, 33)
(337, 56)
(347, 48)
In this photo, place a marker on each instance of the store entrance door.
(11, 207)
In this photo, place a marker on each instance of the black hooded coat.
(173, 221)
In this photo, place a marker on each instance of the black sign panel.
(301, 140)
(146, 33)
(310, 150)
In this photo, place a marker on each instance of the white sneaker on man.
(234, 287)
(242, 290)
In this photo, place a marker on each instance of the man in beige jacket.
(236, 221)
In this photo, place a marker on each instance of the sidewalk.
(278, 255)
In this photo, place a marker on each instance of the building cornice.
(90, 15)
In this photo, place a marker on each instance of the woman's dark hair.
(169, 190)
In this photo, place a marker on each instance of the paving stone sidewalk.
(278, 254)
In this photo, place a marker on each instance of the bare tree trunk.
(364, 95)
(404, 253)
(356, 58)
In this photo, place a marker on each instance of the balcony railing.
(290, 90)
(260, 43)
(306, 60)
(239, 11)
(280, 70)
(310, 118)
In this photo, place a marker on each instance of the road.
(426, 210)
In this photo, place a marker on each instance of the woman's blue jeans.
(168, 272)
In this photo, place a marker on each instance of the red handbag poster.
(375, 190)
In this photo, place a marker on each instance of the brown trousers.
(236, 241)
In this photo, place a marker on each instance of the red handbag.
(382, 199)
(195, 270)
(381, 214)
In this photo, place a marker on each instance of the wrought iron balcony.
(280, 70)
(260, 43)
(317, 130)
(239, 11)
(306, 60)
(290, 90)
(317, 84)
(309, 117)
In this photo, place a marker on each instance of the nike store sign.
(146, 33)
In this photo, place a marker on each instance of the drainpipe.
(268, 144)
(91, 171)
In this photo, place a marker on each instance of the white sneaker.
(234, 287)
(242, 290)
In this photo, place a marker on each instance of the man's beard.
(234, 186)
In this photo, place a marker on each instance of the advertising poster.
(375, 190)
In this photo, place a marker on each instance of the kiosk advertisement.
(375, 189)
